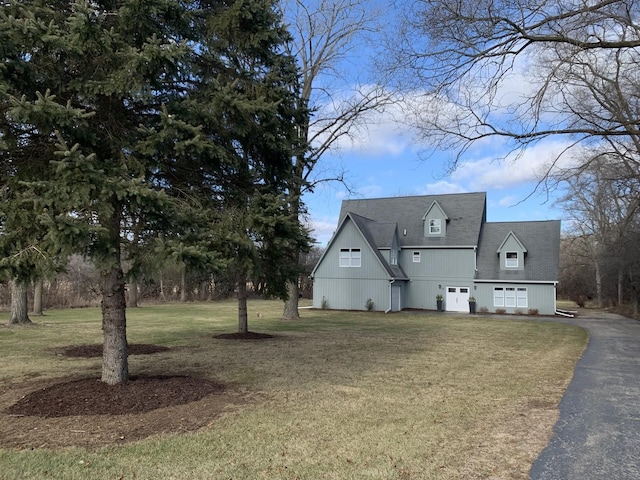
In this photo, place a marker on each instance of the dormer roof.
(465, 215)
(542, 240)
(372, 233)
(511, 236)
(440, 213)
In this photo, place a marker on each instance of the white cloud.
(375, 133)
(371, 190)
(498, 173)
(322, 229)
(442, 187)
(509, 201)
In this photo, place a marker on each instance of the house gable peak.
(512, 253)
(435, 221)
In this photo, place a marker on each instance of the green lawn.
(336, 395)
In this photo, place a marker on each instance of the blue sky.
(387, 162)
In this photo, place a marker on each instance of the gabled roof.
(515, 238)
(372, 232)
(466, 214)
(367, 227)
(436, 205)
(543, 251)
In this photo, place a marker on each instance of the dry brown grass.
(335, 395)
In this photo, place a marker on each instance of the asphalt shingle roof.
(378, 219)
(466, 214)
(542, 241)
(370, 230)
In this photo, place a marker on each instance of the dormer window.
(511, 260)
(512, 253)
(435, 221)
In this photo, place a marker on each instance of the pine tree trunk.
(183, 283)
(115, 367)
(243, 321)
(19, 308)
(133, 293)
(291, 303)
(37, 297)
(204, 290)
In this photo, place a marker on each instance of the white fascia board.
(434, 247)
(553, 282)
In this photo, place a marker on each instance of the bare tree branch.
(576, 63)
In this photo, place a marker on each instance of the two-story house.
(405, 252)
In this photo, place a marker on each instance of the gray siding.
(345, 294)
(540, 296)
(348, 288)
(438, 269)
(438, 263)
(350, 238)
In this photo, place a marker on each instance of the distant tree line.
(600, 260)
(79, 286)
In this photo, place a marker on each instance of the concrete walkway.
(597, 435)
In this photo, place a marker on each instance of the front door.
(395, 298)
(457, 299)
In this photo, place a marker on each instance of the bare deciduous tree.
(602, 207)
(327, 35)
(522, 71)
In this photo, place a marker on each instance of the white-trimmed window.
(350, 257)
(522, 297)
(511, 260)
(498, 297)
(393, 257)
(510, 297)
(416, 257)
(435, 226)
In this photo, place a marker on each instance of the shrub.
(368, 304)
(483, 310)
(324, 304)
(500, 311)
(533, 311)
(580, 300)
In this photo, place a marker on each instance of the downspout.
(391, 282)
(475, 259)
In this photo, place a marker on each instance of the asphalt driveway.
(597, 435)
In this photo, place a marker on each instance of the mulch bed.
(90, 396)
(243, 336)
(87, 412)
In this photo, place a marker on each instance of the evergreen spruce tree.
(175, 115)
(245, 149)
